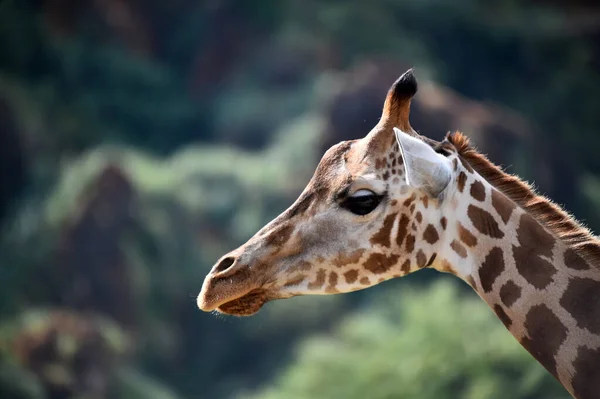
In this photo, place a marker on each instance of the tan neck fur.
(533, 265)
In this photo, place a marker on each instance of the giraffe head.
(371, 212)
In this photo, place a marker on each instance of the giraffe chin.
(246, 305)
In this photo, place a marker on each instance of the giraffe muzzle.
(231, 289)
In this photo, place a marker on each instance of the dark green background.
(141, 140)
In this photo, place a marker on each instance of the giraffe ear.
(425, 169)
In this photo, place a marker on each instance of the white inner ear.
(425, 169)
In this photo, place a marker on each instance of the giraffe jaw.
(246, 305)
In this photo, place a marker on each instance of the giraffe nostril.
(224, 264)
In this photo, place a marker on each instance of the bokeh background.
(142, 139)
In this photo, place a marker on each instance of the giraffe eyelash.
(362, 205)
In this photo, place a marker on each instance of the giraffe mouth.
(246, 305)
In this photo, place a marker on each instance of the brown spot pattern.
(574, 261)
(586, 381)
(380, 263)
(582, 300)
(466, 236)
(533, 235)
(383, 236)
(491, 268)
(348, 259)
(431, 235)
(280, 235)
(478, 191)
(406, 266)
(409, 200)
(365, 281)
(302, 266)
(461, 180)
(502, 205)
(350, 276)
(444, 222)
(546, 333)
(319, 281)
(510, 293)
(484, 222)
(425, 200)
(504, 318)
(333, 279)
(421, 259)
(419, 217)
(458, 248)
(295, 281)
(431, 260)
(402, 229)
(410, 243)
(537, 271)
(535, 241)
(556, 220)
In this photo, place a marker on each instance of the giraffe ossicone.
(395, 202)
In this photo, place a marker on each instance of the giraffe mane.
(557, 221)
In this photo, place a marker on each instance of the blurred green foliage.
(416, 343)
(152, 137)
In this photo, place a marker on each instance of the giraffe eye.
(361, 202)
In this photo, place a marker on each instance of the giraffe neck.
(546, 295)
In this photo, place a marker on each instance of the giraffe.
(395, 202)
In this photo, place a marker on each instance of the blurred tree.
(13, 173)
(81, 85)
(70, 355)
(129, 230)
